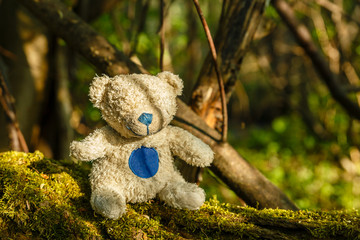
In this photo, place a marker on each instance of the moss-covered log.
(46, 199)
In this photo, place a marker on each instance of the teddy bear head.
(136, 105)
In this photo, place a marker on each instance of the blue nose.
(146, 118)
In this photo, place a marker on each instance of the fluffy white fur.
(122, 99)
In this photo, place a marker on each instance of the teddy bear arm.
(190, 148)
(90, 148)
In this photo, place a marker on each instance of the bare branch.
(332, 7)
(88, 42)
(218, 74)
(238, 23)
(7, 53)
(303, 36)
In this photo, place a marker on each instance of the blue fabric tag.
(144, 162)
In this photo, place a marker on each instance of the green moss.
(213, 221)
(42, 198)
(321, 224)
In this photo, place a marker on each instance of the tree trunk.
(237, 26)
(238, 23)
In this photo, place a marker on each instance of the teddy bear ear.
(97, 89)
(173, 80)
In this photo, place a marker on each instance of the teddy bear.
(133, 155)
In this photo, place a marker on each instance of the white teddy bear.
(133, 155)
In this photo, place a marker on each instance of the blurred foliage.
(313, 174)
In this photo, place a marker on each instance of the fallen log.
(43, 198)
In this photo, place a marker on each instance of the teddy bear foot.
(108, 203)
(183, 195)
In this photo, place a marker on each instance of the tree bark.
(108, 60)
(237, 26)
(94, 47)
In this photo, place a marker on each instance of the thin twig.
(333, 8)
(162, 35)
(218, 75)
(17, 140)
(7, 53)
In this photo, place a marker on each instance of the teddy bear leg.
(108, 202)
(183, 195)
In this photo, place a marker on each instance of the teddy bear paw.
(108, 203)
(208, 157)
(183, 195)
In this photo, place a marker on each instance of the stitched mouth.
(134, 132)
(139, 135)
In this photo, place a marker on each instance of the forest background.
(282, 116)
